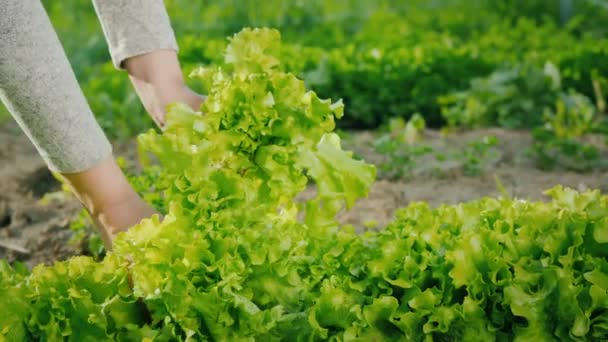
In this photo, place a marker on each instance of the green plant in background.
(558, 143)
(473, 158)
(410, 132)
(399, 146)
(512, 98)
(384, 58)
(528, 97)
(401, 159)
(113, 99)
(477, 154)
(585, 16)
(4, 114)
(574, 116)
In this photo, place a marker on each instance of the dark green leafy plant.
(512, 98)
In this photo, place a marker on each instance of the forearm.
(40, 90)
(134, 27)
(109, 198)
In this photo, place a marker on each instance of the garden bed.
(38, 231)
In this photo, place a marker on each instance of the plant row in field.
(238, 258)
(385, 59)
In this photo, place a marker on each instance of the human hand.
(109, 198)
(158, 81)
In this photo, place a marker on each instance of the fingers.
(185, 95)
(196, 101)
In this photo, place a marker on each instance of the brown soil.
(35, 231)
(30, 231)
(35, 214)
(446, 182)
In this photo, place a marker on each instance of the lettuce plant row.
(384, 58)
(237, 258)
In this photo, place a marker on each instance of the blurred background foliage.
(385, 58)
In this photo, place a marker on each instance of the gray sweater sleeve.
(38, 87)
(134, 27)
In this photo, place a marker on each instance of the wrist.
(158, 81)
(158, 69)
(109, 198)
